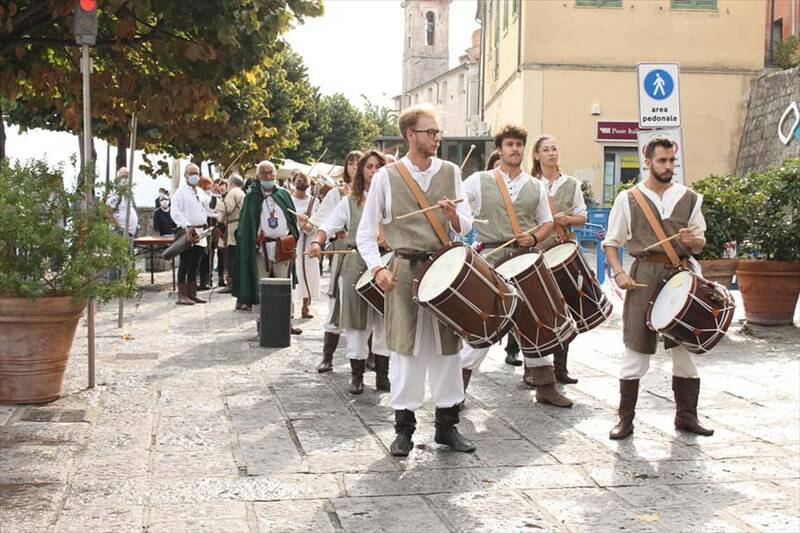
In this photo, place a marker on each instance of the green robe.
(246, 283)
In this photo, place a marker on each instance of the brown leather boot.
(329, 343)
(356, 376)
(687, 391)
(560, 367)
(466, 375)
(527, 377)
(546, 391)
(193, 294)
(382, 382)
(183, 294)
(628, 394)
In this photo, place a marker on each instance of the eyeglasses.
(432, 132)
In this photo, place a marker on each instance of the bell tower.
(425, 51)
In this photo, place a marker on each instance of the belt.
(660, 258)
(413, 255)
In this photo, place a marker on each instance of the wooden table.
(154, 242)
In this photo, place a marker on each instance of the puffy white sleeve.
(338, 220)
(618, 223)
(371, 218)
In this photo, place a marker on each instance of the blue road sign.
(658, 84)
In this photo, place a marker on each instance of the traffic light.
(85, 21)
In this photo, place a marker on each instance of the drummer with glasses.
(488, 193)
(633, 221)
(420, 347)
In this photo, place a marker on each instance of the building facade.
(568, 68)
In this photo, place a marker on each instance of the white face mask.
(164, 204)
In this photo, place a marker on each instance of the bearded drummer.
(358, 320)
(632, 222)
(488, 193)
(419, 345)
(569, 210)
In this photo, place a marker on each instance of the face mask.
(194, 179)
(267, 184)
(301, 187)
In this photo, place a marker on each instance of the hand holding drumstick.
(385, 278)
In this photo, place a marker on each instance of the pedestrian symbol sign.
(659, 97)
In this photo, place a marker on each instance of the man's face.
(192, 170)
(301, 183)
(511, 152)
(662, 164)
(425, 136)
(266, 173)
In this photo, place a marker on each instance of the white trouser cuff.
(408, 372)
(634, 364)
(471, 358)
(535, 362)
(683, 363)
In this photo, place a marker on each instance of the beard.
(662, 177)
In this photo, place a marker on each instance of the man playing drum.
(511, 202)
(418, 344)
(639, 214)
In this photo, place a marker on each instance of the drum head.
(670, 300)
(559, 253)
(441, 273)
(366, 277)
(517, 264)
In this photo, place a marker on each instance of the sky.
(355, 48)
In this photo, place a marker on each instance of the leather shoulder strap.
(512, 214)
(423, 203)
(657, 229)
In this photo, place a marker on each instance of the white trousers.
(407, 374)
(329, 326)
(635, 364)
(358, 339)
(471, 358)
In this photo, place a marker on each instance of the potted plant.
(724, 208)
(770, 283)
(56, 255)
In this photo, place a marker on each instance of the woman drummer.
(358, 320)
(569, 210)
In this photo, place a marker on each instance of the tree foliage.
(350, 129)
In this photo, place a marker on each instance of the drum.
(183, 243)
(691, 311)
(542, 321)
(369, 290)
(464, 292)
(585, 299)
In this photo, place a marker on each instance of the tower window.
(430, 28)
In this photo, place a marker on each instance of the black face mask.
(301, 187)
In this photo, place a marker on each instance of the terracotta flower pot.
(35, 340)
(720, 270)
(769, 290)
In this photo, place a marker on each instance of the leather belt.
(413, 255)
(660, 258)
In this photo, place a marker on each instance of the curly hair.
(358, 182)
(510, 131)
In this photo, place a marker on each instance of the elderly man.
(190, 212)
(229, 209)
(267, 237)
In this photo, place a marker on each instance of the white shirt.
(121, 213)
(472, 191)
(619, 220)
(339, 219)
(326, 207)
(301, 206)
(577, 199)
(379, 207)
(269, 208)
(190, 208)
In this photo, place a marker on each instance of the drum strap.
(512, 213)
(423, 203)
(654, 223)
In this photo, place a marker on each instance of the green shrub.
(725, 208)
(52, 246)
(786, 54)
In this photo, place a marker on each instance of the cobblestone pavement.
(193, 427)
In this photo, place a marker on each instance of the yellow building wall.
(730, 37)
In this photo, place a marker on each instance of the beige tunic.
(636, 335)
(413, 233)
(353, 307)
(499, 229)
(562, 200)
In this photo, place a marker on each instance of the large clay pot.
(35, 340)
(720, 270)
(769, 290)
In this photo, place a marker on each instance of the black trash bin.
(276, 310)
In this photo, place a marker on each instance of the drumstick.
(639, 285)
(510, 242)
(431, 208)
(332, 252)
(662, 241)
(466, 158)
(480, 220)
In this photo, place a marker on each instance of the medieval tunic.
(307, 267)
(679, 207)
(529, 199)
(415, 339)
(326, 209)
(357, 319)
(565, 194)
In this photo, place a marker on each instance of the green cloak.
(245, 282)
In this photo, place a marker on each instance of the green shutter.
(598, 3)
(505, 14)
(694, 4)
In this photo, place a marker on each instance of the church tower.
(425, 51)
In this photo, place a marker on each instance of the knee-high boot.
(687, 392)
(628, 394)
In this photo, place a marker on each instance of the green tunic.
(246, 286)
(354, 308)
(562, 200)
(499, 229)
(414, 233)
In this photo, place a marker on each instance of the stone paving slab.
(194, 427)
